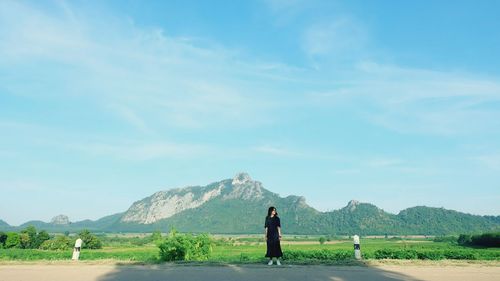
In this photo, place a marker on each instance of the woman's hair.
(270, 210)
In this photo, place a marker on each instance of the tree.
(24, 241)
(156, 236)
(464, 239)
(41, 237)
(58, 243)
(28, 237)
(185, 247)
(90, 241)
(3, 237)
(12, 240)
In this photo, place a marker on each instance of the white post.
(76, 250)
(357, 248)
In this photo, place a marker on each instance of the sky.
(103, 103)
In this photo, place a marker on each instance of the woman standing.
(273, 236)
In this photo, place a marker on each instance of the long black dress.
(273, 239)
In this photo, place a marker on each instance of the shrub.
(58, 243)
(430, 255)
(12, 240)
(460, 255)
(41, 237)
(322, 240)
(3, 237)
(464, 239)
(185, 247)
(449, 239)
(90, 241)
(395, 254)
(483, 240)
(322, 255)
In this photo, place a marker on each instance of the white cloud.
(337, 38)
(491, 161)
(276, 150)
(149, 79)
(419, 101)
(142, 151)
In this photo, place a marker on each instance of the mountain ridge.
(238, 205)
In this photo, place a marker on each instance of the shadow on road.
(172, 272)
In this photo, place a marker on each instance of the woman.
(273, 236)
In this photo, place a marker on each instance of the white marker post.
(357, 248)
(76, 250)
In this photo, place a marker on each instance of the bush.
(431, 255)
(482, 240)
(396, 254)
(12, 240)
(449, 239)
(3, 237)
(464, 239)
(460, 255)
(322, 240)
(41, 237)
(90, 241)
(176, 247)
(58, 243)
(320, 255)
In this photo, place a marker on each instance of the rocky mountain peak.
(60, 220)
(352, 205)
(241, 178)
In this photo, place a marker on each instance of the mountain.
(4, 224)
(239, 205)
(60, 220)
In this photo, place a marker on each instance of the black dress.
(273, 239)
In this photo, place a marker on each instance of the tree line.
(30, 238)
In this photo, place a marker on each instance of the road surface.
(85, 272)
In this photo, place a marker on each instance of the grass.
(252, 251)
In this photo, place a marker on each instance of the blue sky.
(103, 103)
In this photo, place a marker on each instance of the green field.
(251, 249)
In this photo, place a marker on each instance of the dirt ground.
(167, 272)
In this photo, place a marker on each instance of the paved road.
(83, 272)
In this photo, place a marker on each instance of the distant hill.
(4, 224)
(239, 205)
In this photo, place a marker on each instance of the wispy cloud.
(180, 82)
(139, 151)
(491, 161)
(336, 39)
(411, 100)
(277, 151)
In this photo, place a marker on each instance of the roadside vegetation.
(30, 244)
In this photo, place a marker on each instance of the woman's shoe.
(278, 262)
(270, 262)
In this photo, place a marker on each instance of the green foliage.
(483, 240)
(41, 237)
(156, 236)
(322, 240)
(448, 239)
(319, 255)
(3, 237)
(12, 240)
(90, 241)
(24, 241)
(395, 254)
(464, 239)
(425, 254)
(186, 247)
(58, 243)
(28, 237)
